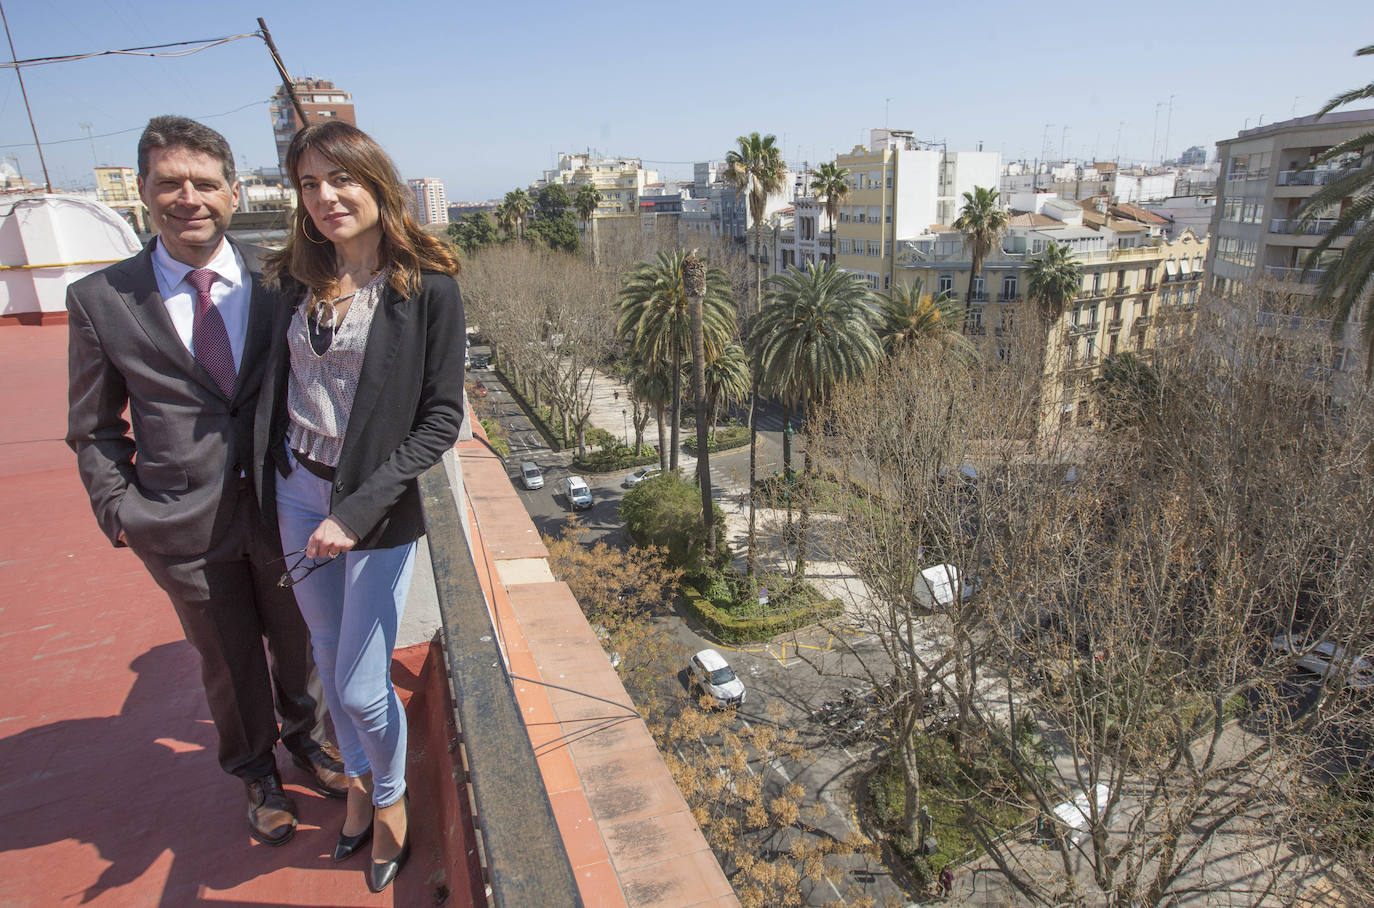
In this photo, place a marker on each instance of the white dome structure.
(49, 241)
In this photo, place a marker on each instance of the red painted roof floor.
(110, 792)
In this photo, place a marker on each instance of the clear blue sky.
(483, 95)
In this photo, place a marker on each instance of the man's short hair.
(179, 132)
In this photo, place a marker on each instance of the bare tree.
(1124, 595)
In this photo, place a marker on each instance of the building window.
(978, 290)
(946, 284)
(874, 248)
(973, 320)
(1009, 287)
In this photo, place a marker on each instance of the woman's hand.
(330, 538)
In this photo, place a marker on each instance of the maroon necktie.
(209, 339)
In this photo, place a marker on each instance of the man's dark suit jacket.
(406, 412)
(164, 487)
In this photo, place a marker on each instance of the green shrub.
(731, 620)
(611, 461)
(496, 436)
(598, 437)
(666, 511)
(726, 439)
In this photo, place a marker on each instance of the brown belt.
(314, 467)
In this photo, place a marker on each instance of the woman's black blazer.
(406, 412)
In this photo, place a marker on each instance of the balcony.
(1085, 328)
(114, 794)
(1267, 319)
(1009, 298)
(1308, 177)
(1317, 227)
(1293, 275)
(977, 296)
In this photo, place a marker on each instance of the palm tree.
(831, 184)
(694, 285)
(727, 381)
(506, 218)
(982, 222)
(652, 387)
(756, 169)
(817, 329)
(654, 319)
(1052, 282)
(585, 202)
(909, 316)
(1347, 286)
(519, 206)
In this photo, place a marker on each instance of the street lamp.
(624, 426)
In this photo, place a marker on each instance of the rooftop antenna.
(1168, 125)
(887, 103)
(47, 183)
(286, 81)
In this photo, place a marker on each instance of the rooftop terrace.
(113, 795)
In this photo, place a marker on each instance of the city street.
(796, 675)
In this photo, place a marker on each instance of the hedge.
(730, 628)
(610, 461)
(726, 439)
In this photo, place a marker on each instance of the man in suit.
(179, 335)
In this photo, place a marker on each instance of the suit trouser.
(229, 601)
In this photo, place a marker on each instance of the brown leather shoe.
(325, 769)
(271, 812)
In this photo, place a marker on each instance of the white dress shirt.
(231, 293)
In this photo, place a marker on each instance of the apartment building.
(118, 188)
(320, 99)
(1140, 292)
(621, 181)
(899, 187)
(1259, 249)
(429, 201)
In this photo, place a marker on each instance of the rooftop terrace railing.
(527, 863)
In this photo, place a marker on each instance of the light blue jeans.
(352, 605)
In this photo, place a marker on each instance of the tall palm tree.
(654, 319)
(982, 222)
(1347, 286)
(694, 285)
(1052, 281)
(585, 203)
(831, 183)
(756, 170)
(520, 206)
(817, 329)
(727, 381)
(910, 315)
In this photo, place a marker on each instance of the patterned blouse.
(319, 395)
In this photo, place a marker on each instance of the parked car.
(1322, 657)
(579, 496)
(530, 475)
(712, 675)
(642, 474)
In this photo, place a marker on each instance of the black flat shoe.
(348, 845)
(381, 873)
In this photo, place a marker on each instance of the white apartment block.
(621, 181)
(429, 201)
(899, 189)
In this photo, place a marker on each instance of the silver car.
(530, 475)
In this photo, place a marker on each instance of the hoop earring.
(305, 229)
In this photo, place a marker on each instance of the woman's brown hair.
(405, 248)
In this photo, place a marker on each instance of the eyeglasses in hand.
(299, 570)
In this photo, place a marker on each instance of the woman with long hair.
(363, 393)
